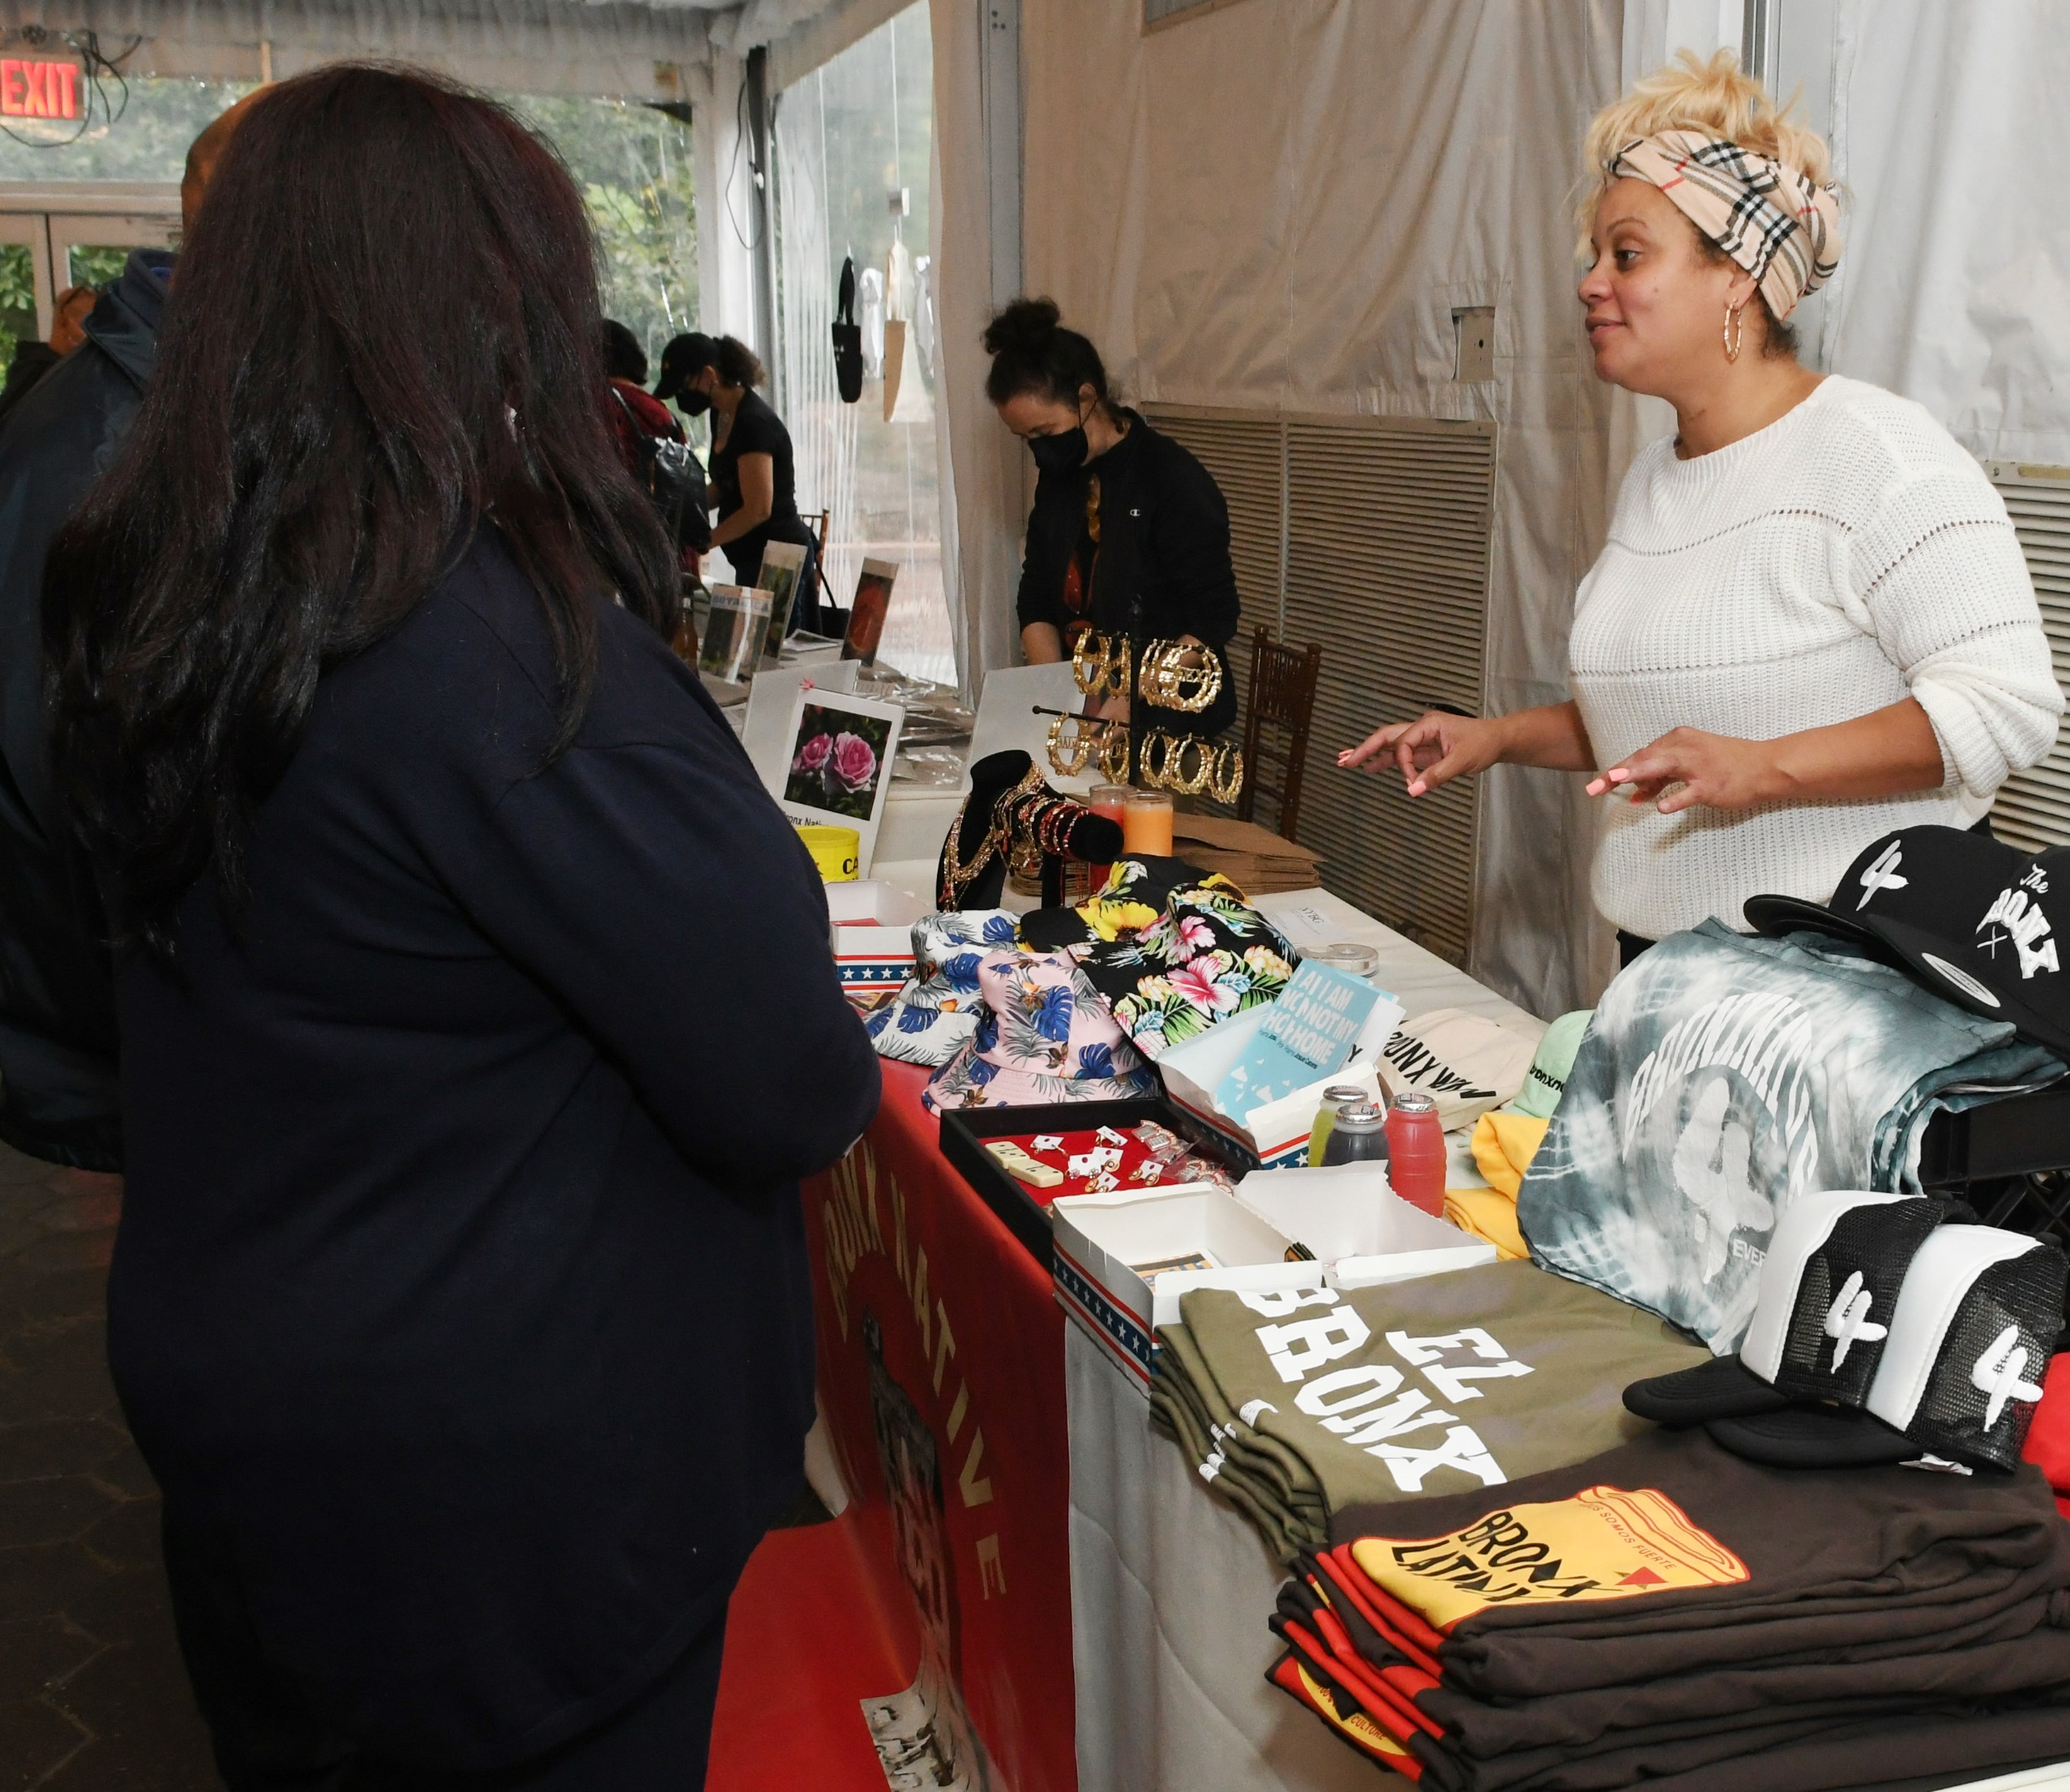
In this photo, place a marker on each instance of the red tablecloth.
(941, 1380)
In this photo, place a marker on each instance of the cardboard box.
(1361, 1231)
(871, 925)
(1256, 859)
(1106, 1249)
(1276, 1137)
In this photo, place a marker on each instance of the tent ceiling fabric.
(618, 47)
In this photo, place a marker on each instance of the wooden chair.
(1282, 697)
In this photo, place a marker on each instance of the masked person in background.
(1811, 624)
(754, 473)
(1130, 534)
(459, 1303)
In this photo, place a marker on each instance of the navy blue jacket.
(58, 1049)
(460, 1297)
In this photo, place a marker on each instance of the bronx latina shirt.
(460, 1295)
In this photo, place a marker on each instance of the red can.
(1416, 1154)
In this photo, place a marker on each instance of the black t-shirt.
(757, 429)
(461, 1298)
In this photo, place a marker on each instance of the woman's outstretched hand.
(1686, 767)
(1435, 748)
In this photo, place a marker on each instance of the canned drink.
(1336, 1096)
(1417, 1153)
(1358, 1136)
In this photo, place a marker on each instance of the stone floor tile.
(44, 1580)
(82, 1340)
(135, 1703)
(85, 1210)
(128, 1536)
(61, 1390)
(68, 1251)
(35, 1651)
(36, 1740)
(51, 1510)
(70, 1294)
(118, 1605)
(124, 1473)
(70, 1446)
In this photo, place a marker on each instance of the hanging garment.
(847, 338)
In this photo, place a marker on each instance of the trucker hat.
(1825, 1298)
(1974, 920)
(1960, 1372)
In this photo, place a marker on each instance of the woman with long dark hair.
(477, 1011)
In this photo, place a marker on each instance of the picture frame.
(842, 749)
(783, 565)
(866, 613)
(736, 633)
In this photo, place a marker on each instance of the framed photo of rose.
(839, 769)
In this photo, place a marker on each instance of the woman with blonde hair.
(1811, 624)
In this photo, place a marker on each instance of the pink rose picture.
(837, 762)
(854, 763)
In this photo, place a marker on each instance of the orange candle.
(1108, 800)
(1146, 823)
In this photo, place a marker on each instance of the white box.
(1361, 1232)
(872, 903)
(1100, 1239)
(872, 960)
(1278, 1135)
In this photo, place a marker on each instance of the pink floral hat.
(1047, 1035)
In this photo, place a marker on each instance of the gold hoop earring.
(1113, 751)
(1176, 676)
(1732, 328)
(1089, 672)
(1149, 769)
(1227, 783)
(1177, 778)
(1068, 761)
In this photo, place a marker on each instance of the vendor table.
(942, 1371)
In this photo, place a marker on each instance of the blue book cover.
(1307, 1034)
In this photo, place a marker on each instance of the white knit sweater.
(1848, 555)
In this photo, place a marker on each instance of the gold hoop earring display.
(1113, 752)
(1732, 328)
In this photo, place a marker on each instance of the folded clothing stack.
(1299, 1403)
(1672, 1613)
(1255, 858)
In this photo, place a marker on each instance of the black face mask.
(1060, 454)
(693, 402)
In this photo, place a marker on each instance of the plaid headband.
(1778, 226)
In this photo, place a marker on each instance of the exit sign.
(37, 88)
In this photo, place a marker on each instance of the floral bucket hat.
(937, 1009)
(1046, 1035)
(1176, 952)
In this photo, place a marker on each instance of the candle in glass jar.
(1146, 823)
(1108, 800)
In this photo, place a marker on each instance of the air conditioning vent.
(1370, 535)
(2033, 810)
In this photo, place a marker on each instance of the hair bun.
(1025, 326)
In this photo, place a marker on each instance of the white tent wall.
(1278, 205)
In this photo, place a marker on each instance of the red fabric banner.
(941, 1381)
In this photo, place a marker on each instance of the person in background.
(1811, 624)
(754, 477)
(637, 418)
(32, 359)
(1130, 533)
(58, 1099)
(460, 1304)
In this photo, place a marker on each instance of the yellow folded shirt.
(1503, 1146)
(1489, 1215)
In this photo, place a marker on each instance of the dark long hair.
(382, 334)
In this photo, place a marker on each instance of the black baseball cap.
(1827, 1288)
(1972, 918)
(683, 356)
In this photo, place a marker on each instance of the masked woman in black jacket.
(1130, 533)
(460, 1302)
